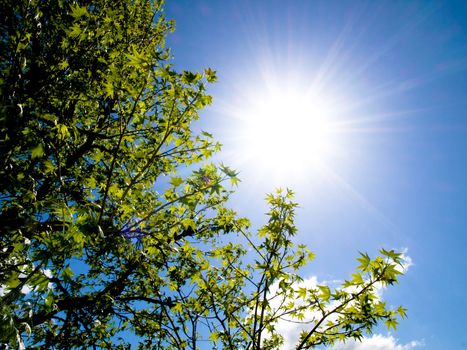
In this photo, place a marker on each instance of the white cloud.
(26, 289)
(406, 261)
(378, 342)
(291, 330)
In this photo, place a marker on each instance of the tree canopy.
(113, 222)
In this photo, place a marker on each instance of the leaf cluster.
(95, 125)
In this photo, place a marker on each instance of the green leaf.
(178, 307)
(325, 293)
(357, 279)
(176, 181)
(63, 131)
(402, 311)
(67, 273)
(78, 11)
(37, 152)
(364, 260)
(214, 336)
(190, 77)
(211, 76)
(49, 300)
(302, 292)
(391, 323)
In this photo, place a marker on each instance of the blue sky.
(394, 75)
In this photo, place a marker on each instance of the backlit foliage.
(111, 219)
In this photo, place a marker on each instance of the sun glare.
(287, 129)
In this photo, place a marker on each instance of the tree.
(111, 219)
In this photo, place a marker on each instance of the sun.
(286, 129)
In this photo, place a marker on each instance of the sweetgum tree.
(108, 225)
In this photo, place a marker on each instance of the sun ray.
(291, 117)
(362, 201)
